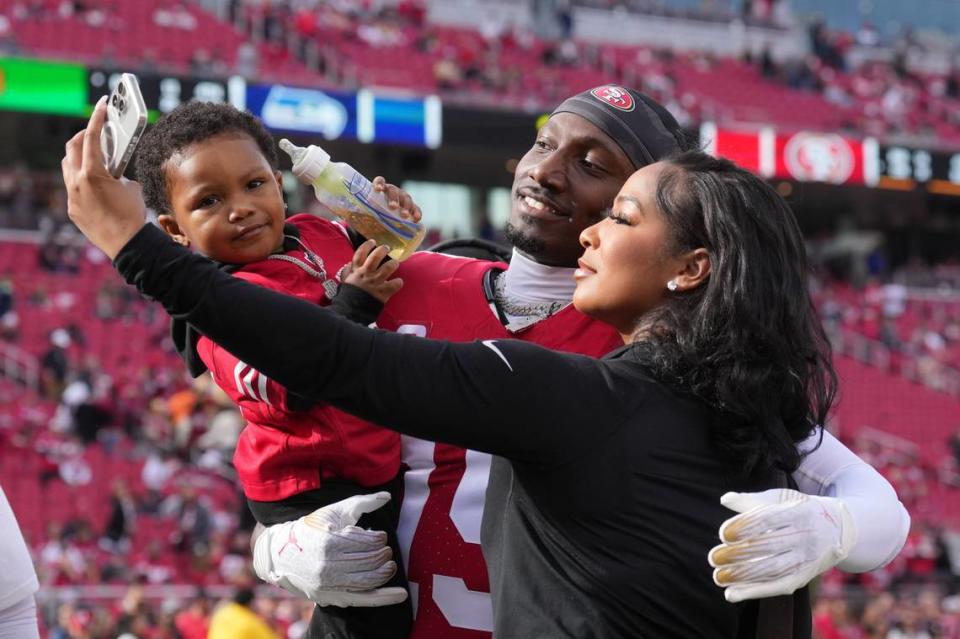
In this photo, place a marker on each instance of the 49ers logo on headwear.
(617, 97)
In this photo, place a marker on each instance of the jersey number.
(460, 606)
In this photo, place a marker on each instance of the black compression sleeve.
(356, 305)
(505, 397)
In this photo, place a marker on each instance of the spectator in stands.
(219, 441)
(447, 74)
(234, 565)
(192, 622)
(194, 520)
(156, 565)
(6, 295)
(10, 327)
(122, 521)
(952, 87)
(158, 469)
(831, 618)
(201, 62)
(867, 35)
(768, 68)
(564, 19)
(237, 620)
(247, 60)
(59, 253)
(930, 611)
(82, 624)
(922, 553)
(875, 620)
(107, 301)
(954, 443)
(75, 393)
(91, 415)
(54, 365)
(60, 561)
(909, 623)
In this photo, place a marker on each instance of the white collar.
(528, 281)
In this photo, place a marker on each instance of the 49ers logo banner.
(806, 156)
(819, 157)
(617, 97)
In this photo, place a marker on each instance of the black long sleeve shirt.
(606, 497)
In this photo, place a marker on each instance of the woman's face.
(625, 267)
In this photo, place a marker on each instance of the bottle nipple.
(308, 163)
(295, 152)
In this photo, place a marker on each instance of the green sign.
(43, 87)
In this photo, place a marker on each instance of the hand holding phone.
(126, 120)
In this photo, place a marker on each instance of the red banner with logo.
(819, 157)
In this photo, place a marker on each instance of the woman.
(605, 498)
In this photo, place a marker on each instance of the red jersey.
(444, 487)
(283, 451)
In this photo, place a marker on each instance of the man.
(565, 183)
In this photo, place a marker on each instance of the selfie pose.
(602, 503)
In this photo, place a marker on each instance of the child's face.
(226, 200)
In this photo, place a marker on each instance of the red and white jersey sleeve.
(445, 486)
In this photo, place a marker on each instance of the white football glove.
(781, 541)
(326, 558)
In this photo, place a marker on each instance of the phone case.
(126, 120)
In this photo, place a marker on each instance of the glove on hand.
(326, 558)
(781, 541)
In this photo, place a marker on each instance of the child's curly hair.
(189, 123)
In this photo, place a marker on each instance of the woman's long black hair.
(747, 341)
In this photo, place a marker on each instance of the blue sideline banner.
(363, 115)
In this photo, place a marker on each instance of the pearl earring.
(672, 285)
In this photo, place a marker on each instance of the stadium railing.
(19, 365)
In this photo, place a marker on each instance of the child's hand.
(397, 198)
(368, 273)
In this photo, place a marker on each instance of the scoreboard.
(809, 156)
(905, 168)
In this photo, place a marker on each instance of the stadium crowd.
(500, 63)
(510, 62)
(915, 334)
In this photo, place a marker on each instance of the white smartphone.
(126, 120)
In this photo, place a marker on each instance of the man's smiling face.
(563, 184)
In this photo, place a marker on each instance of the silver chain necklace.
(534, 310)
(315, 268)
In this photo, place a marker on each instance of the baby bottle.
(340, 188)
